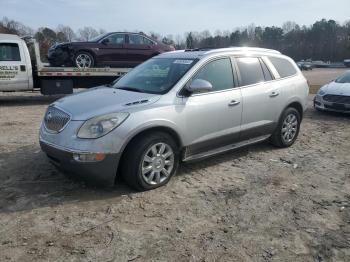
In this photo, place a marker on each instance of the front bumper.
(99, 172)
(58, 57)
(320, 104)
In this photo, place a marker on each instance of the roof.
(9, 37)
(198, 53)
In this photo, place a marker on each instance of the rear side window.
(218, 73)
(250, 70)
(9, 52)
(283, 66)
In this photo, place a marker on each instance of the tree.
(68, 32)
(189, 41)
(87, 33)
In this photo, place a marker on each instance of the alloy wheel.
(289, 128)
(157, 163)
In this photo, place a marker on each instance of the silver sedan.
(334, 96)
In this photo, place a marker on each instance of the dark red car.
(118, 49)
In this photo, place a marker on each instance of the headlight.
(101, 125)
(321, 92)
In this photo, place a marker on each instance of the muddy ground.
(256, 204)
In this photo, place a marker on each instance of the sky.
(171, 16)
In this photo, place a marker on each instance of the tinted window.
(250, 70)
(266, 71)
(155, 76)
(146, 41)
(135, 40)
(117, 39)
(9, 52)
(283, 66)
(218, 73)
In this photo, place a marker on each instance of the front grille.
(337, 99)
(55, 120)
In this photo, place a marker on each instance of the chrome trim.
(64, 111)
(225, 148)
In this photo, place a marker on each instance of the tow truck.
(22, 69)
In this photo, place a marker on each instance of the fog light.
(86, 157)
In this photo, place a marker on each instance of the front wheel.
(288, 128)
(149, 162)
(84, 60)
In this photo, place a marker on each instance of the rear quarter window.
(283, 66)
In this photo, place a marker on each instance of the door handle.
(234, 103)
(23, 68)
(274, 93)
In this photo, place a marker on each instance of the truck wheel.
(84, 60)
(150, 161)
(288, 128)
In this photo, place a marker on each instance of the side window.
(117, 39)
(146, 41)
(266, 71)
(250, 70)
(283, 66)
(218, 73)
(9, 52)
(135, 40)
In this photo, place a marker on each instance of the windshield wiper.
(132, 89)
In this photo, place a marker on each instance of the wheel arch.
(298, 106)
(165, 129)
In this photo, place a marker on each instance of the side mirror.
(199, 85)
(105, 41)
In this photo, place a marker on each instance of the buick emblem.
(49, 116)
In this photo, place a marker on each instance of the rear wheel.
(288, 128)
(84, 60)
(149, 162)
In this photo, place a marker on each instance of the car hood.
(103, 100)
(334, 88)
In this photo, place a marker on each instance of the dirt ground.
(321, 76)
(256, 204)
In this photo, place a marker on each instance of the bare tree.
(87, 33)
(289, 26)
(68, 32)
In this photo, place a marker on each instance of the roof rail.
(251, 49)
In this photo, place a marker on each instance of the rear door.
(113, 52)
(139, 48)
(13, 66)
(261, 95)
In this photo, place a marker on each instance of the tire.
(83, 60)
(287, 129)
(141, 166)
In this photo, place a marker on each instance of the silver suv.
(178, 106)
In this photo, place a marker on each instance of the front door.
(13, 69)
(213, 118)
(112, 50)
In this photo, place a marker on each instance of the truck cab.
(15, 64)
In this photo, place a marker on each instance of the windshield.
(155, 76)
(98, 38)
(345, 78)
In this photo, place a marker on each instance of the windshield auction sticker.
(8, 72)
(184, 62)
